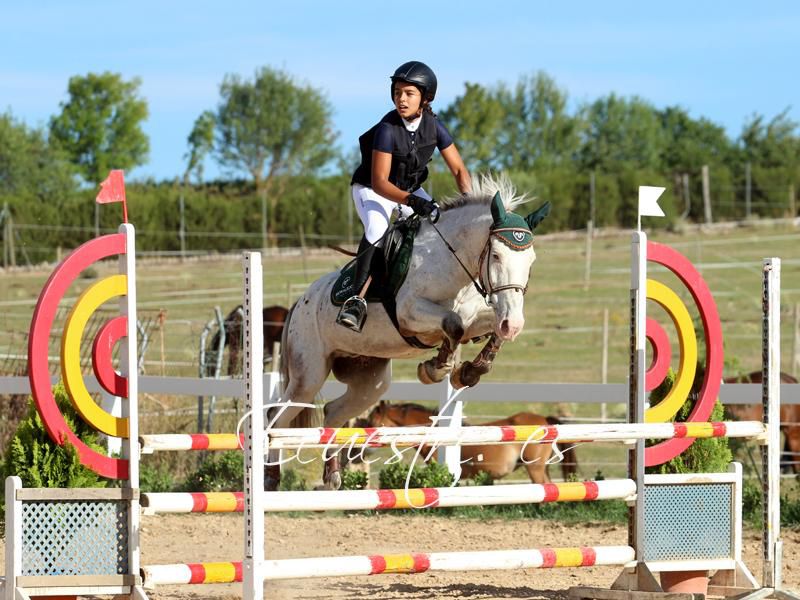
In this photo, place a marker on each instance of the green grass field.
(562, 341)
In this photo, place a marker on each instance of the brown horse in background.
(274, 320)
(498, 460)
(790, 416)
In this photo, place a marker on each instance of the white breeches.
(375, 211)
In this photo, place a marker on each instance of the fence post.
(748, 187)
(796, 337)
(587, 276)
(302, 234)
(770, 452)
(264, 227)
(604, 368)
(182, 230)
(706, 195)
(686, 195)
(4, 221)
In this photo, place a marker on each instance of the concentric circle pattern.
(659, 342)
(90, 301)
(712, 333)
(38, 349)
(669, 300)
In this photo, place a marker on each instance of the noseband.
(486, 257)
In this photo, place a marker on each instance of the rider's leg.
(354, 310)
(374, 212)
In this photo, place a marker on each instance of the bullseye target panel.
(119, 287)
(674, 307)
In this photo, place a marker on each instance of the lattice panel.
(688, 521)
(74, 537)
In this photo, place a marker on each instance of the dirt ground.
(169, 539)
(194, 538)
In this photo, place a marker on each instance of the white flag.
(648, 201)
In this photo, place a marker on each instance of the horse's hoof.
(466, 375)
(428, 374)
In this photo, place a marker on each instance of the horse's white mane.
(484, 188)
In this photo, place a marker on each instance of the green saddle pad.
(389, 268)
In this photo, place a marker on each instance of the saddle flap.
(389, 268)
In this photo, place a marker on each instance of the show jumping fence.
(690, 522)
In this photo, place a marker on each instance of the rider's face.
(407, 99)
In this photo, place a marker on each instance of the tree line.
(276, 137)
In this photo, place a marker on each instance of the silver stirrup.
(360, 306)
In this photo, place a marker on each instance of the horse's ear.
(498, 210)
(538, 215)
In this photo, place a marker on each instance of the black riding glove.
(420, 205)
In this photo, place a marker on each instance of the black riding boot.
(354, 309)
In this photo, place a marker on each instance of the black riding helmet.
(418, 74)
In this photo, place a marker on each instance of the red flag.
(113, 190)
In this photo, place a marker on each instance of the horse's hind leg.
(302, 388)
(367, 379)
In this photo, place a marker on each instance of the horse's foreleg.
(468, 374)
(421, 316)
(436, 369)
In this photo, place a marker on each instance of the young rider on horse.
(394, 158)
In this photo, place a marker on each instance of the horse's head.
(506, 264)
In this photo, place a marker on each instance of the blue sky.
(721, 60)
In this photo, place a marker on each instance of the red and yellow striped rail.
(195, 573)
(382, 564)
(585, 491)
(487, 434)
(191, 441)
(473, 435)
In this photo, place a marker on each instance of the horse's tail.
(308, 416)
(569, 464)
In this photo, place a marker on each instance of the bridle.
(485, 287)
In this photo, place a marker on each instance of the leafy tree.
(537, 130)
(201, 142)
(271, 127)
(773, 144)
(99, 126)
(773, 150)
(476, 120)
(622, 132)
(29, 165)
(691, 143)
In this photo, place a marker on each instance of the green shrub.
(219, 472)
(40, 462)
(291, 482)
(707, 455)
(397, 476)
(155, 479)
(354, 480)
(482, 478)
(751, 503)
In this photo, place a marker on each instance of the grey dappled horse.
(439, 303)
